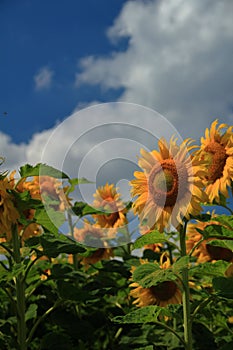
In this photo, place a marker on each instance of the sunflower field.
(165, 283)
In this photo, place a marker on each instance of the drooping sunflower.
(98, 255)
(217, 147)
(92, 236)
(155, 247)
(33, 229)
(47, 188)
(25, 231)
(8, 212)
(108, 201)
(170, 186)
(89, 235)
(205, 252)
(164, 293)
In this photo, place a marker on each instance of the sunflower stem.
(185, 294)
(20, 291)
(71, 226)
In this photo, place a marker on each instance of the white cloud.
(15, 155)
(43, 79)
(178, 60)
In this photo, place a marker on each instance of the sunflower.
(97, 255)
(164, 293)
(108, 201)
(46, 187)
(217, 147)
(8, 212)
(89, 235)
(205, 252)
(170, 186)
(156, 247)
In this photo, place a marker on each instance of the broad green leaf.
(224, 286)
(223, 243)
(225, 220)
(40, 169)
(222, 200)
(148, 275)
(217, 268)
(145, 314)
(76, 181)
(50, 219)
(53, 245)
(150, 238)
(31, 312)
(180, 264)
(216, 231)
(202, 217)
(82, 209)
(23, 201)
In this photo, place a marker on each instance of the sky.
(58, 57)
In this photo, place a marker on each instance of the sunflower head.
(169, 188)
(90, 235)
(98, 255)
(162, 294)
(8, 212)
(155, 247)
(205, 252)
(108, 201)
(217, 148)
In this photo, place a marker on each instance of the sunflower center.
(219, 157)
(219, 253)
(163, 183)
(164, 291)
(112, 214)
(99, 253)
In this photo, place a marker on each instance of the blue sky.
(54, 36)
(172, 56)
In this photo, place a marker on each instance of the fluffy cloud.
(15, 155)
(178, 60)
(43, 79)
(100, 142)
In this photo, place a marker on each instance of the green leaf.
(147, 314)
(223, 243)
(56, 340)
(31, 312)
(50, 219)
(225, 220)
(148, 275)
(222, 200)
(23, 201)
(40, 169)
(180, 264)
(152, 237)
(217, 231)
(202, 217)
(53, 245)
(76, 181)
(81, 209)
(217, 268)
(223, 286)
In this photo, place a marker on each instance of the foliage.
(57, 292)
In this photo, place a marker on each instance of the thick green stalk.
(185, 294)
(20, 291)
